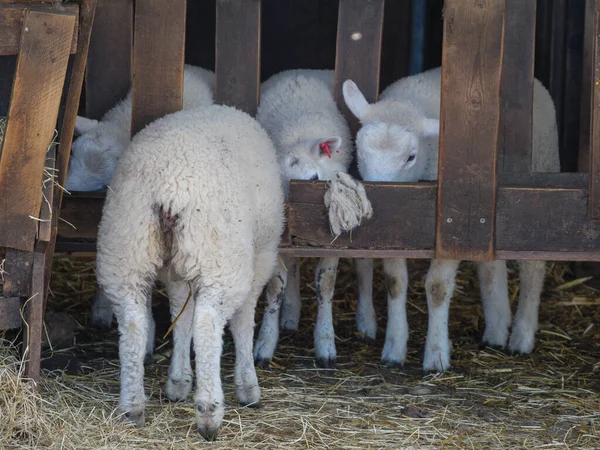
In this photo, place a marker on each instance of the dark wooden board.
(80, 217)
(11, 23)
(471, 65)
(237, 54)
(45, 224)
(595, 122)
(158, 51)
(108, 75)
(34, 318)
(358, 54)
(10, 313)
(587, 74)
(516, 87)
(35, 99)
(17, 279)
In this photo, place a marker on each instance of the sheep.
(399, 141)
(95, 152)
(197, 202)
(313, 141)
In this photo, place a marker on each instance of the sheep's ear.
(430, 128)
(355, 99)
(325, 147)
(83, 124)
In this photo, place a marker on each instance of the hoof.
(136, 418)
(209, 433)
(326, 363)
(253, 405)
(392, 364)
(263, 363)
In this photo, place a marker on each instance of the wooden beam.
(237, 53)
(516, 87)
(11, 23)
(35, 99)
(587, 87)
(34, 319)
(108, 75)
(471, 67)
(358, 53)
(595, 122)
(158, 51)
(10, 313)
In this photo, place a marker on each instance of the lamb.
(399, 141)
(196, 201)
(95, 153)
(313, 141)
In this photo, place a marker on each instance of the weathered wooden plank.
(237, 53)
(516, 87)
(10, 314)
(595, 122)
(35, 99)
(81, 216)
(471, 66)
(587, 75)
(34, 318)
(11, 23)
(158, 50)
(17, 279)
(358, 54)
(108, 75)
(45, 223)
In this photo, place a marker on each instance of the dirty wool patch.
(487, 400)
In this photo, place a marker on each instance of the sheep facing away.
(94, 154)
(197, 201)
(399, 141)
(313, 141)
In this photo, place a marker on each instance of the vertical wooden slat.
(108, 75)
(358, 54)
(237, 53)
(587, 75)
(516, 87)
(595, 118)
(158, 51)
(35, 99)
(34, 317)
(471, 66)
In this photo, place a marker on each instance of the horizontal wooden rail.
(11, 23)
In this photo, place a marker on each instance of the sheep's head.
(388, 144)
(93, 155)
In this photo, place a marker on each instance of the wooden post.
(594, 201)
(358, 53)
(471, 66)
(158, 51)
(39, 79)
(237, 54)
(108, 75)
(516, 87)
(34, 318)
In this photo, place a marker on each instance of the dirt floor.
(488, 400)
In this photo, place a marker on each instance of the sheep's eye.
(411, 158)
(294, 162)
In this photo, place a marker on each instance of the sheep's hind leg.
(493, 282)
(366, 320)
(439, 288)
(531, 275)
(290, 308)
(396, 335)
(324, 333)
(269, 329)
(179, 383)
(102, 312)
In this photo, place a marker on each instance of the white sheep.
(95, 152)
(313, 141)
(399, 141)
(197, 196)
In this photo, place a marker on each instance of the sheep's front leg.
(132, 318)
(324, 333)
(179, 383)
(290, 309)
(439, 288)
(531, 274)
(208, 344)
(396, 335)
(269, 329)
(366, 320)
(493, 283)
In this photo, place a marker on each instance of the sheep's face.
(312, 159)
(93, 157)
